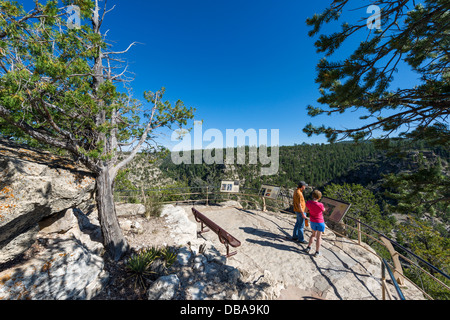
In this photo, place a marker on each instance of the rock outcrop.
(40, 197)
(66, 265)
(35, 185)
(65, 270)
(40, 200)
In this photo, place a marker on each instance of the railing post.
(396, 285)
(383, 280)
(398, 271)
(359, 232)
(207, 190)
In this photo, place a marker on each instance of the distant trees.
(427, 191)
(421, 238)
(317, 164)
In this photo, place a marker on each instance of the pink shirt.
(316, 210)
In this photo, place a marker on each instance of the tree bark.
(113, 239)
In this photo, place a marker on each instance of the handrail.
(385, 267)
(403, 257)
(403, 248)
(214, 189)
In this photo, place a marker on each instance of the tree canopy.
(412, 34)
(59, 85)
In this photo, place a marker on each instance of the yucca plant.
(151, 254)
(138, 265)
(141, 267)
(169, 255)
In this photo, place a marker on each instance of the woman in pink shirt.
(316, 210)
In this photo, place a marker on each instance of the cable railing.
(385, 248)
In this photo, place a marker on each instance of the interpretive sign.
(269, 192)
(229, 186)
(335, 210)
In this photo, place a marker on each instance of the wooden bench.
(224, 237)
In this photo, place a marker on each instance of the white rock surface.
(164, 288)
(65, 271)
(35, 185)
(183, 230)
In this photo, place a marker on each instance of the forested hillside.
(320, 165)
(317, 164)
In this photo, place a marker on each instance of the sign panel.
(229, 186)
(335, 210)
(269, 191)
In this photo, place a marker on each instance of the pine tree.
(421, 238)
(413, 35)
(425, 192)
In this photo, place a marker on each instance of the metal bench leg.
(203, 229)
(228, 251)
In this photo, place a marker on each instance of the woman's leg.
(318, 240)
(311, 239)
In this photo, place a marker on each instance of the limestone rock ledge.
(66, 270)
(35, 185)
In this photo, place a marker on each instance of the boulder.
(164, 288)
(183, 230)
(58, 223)
(67, 265)
(129, 209)
(87, 231)
(131, 226)
(35, 185)
(65, 270)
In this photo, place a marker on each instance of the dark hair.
(301, 184)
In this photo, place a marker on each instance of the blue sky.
(242, 64)
(246, 64)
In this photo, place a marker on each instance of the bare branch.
(121, 52)
(115, 169)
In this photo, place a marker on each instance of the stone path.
(344, 271)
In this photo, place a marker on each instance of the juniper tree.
(415, 34)
(59, 85)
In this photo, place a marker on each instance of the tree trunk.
(113, 239)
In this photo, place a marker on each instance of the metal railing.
(400, 259)
(385, 266)
(210, 195)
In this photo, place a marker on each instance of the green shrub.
(153, 207)
(150, 263)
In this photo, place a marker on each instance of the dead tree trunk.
(113, 239)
